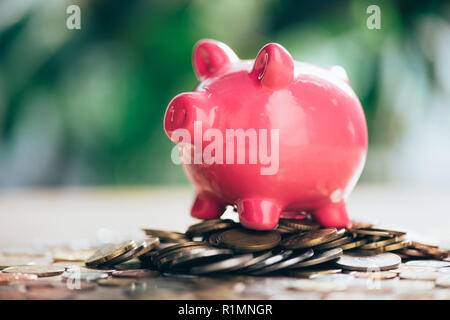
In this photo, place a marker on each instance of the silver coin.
(147, 257)
(186, 259)
(428, 263)
(160, 261)
(286, 263)
(419, 275)
(257, 258)
(320, 258)
(368, 261)
(223, 265)
(277, 256)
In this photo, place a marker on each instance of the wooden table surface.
(40, 217)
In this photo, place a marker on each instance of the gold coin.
(28, 253)
(6, 262)
(378, 232)
(381, 243)
(335, 243)
(429, 250)
(422, 244)
(110, 252)
(166, 236)
(209, 222)
(245, 240)
(309, 239)
(361, 225)
(412, 253)
(300, 224)
(40, 271)
(201, 228)
(354, 244)
(64, 254)
(285, 229)
(394, 246)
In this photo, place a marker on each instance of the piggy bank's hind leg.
(258, 214)
(205, 207)
(333, 215)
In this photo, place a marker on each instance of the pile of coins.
(220, 259)
(298, 247)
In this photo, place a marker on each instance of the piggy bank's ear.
(274, 66)
(210, 57)
(340, 73)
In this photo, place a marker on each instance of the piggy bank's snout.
(178, 115)
(175, 118)
(182, 112)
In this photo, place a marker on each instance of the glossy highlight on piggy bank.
(308, 118)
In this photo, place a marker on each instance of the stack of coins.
(297, 247)
(201, 262)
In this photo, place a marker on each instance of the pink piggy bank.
(272, 136)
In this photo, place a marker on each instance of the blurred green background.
(85, 107)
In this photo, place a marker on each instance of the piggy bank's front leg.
(333, 215)
(258, 214)
(205, 207)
